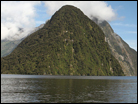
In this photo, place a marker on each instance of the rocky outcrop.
(126, 56)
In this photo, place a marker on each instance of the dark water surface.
(66, 89)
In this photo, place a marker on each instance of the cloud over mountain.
(15, 15)
(98, 9)
(21, 14)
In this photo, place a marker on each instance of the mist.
(15, 15)
(21, 14)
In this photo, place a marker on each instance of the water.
(68, 89)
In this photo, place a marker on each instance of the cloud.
(121, 18)
(122, 24)
(21, 14)
(40, 22)
(15, 15)
(132, 32)
(99, 9)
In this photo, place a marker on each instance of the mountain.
(68, 44)
(126, 56)
(9, 44)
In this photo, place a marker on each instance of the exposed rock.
(126, 56)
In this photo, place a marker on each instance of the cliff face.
(126, 56)
(68, 44)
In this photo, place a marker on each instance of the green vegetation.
(69, 44)
(8, 46)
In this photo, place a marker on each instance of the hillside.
(9, 44)
(68, 44)
(126, 56)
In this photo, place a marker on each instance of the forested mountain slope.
(8, 45)
(68, 44)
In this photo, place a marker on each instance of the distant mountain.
(126, 56)
(9, 44)
(68, 44)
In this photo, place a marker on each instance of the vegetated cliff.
(9, 44)
(68, 44)
(126, 56)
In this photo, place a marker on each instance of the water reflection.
(73, 90)
(45, 90)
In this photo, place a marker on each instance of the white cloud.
(122, 24)
(17, 14)
(132, 32)
(98, 9)
(40, 22)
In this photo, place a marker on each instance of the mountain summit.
(68, 44)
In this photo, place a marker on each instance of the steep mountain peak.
(67, 14)
(68, 44)
(69, 9)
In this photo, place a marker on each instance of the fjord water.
(65, 89)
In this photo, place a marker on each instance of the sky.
(121, 15)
